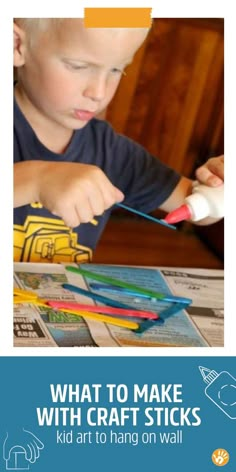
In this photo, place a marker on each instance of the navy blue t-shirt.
(146, 182)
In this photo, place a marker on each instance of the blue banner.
(118, 413)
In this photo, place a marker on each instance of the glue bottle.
(221, 390)
(203, 202)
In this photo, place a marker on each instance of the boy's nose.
(96, 89)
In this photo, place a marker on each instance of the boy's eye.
(118, 71)
(73, 67)
(76, 66)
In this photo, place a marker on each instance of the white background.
(164, 9)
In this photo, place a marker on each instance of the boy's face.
(71, 74)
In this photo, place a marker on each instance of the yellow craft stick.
(94, 222)
(103, 318)
(39, 303)
(31, 301)
(23, 294)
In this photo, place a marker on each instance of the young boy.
(69, 166)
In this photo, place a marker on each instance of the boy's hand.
(75, 192)
(212, 172)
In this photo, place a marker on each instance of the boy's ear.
(19, 46)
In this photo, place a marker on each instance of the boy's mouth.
(84, 115)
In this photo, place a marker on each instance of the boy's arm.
(26, 176)
(211, 173)
(75, 192)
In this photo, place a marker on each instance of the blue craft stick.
(172, 310)
(115, 282)
(99, 298)
(144, 215)
(172, 298)
(112, 289)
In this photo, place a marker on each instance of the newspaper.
(206, 289)
(200, 325)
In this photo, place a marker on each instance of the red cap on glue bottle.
(203, 202)
(180, 214)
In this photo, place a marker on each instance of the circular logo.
(220, 457)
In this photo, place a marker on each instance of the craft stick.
(114, 289)
(21, 293)
(102, 309)
(144, 215)
(172, 310)
(97, 297)
(31, 302)
(104, 319)
(118, 283)
(94, 222)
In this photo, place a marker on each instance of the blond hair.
(35, 27)
(32, 25)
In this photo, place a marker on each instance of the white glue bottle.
(203, 202)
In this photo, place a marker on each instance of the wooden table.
(134, 241)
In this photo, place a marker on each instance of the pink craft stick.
(102, 309)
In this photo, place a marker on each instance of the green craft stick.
(118, 283)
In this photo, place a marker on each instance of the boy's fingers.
(111, 195)
(84, 209)
(212, 173)
(205, 176)
(97, 205)
(119, 196)
(216, 166)
(78, 199)
(71, 218)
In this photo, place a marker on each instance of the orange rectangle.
(117, 17)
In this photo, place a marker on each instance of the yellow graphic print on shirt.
(43, 239)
